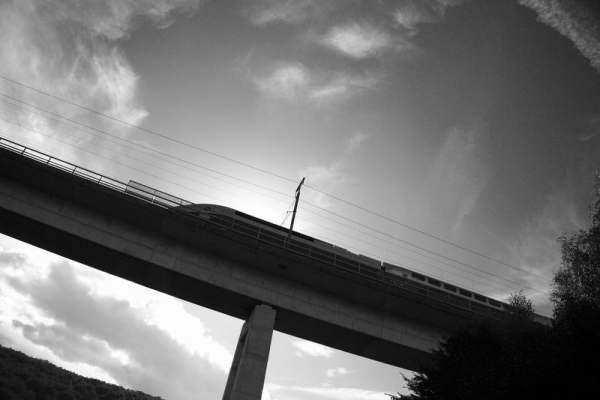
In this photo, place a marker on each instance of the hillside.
(26, 378)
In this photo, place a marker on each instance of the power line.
(422, 255)
(138, 160)
(133, 143)
(287, 213)
(418, 247)
(264, 171)
(148, 130)
(417, 230)
(114, 152)
(261, 170)
(125, 165)
(160, 178)
(437, 254)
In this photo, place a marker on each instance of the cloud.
(577, 20)
(411, 13)
(325, 392)
(312, 349)
(69, 48)
(109, 328)
(265, 12)
(285, 80)
(11, 257)
(326, 177)
(331, 178)
(355, 141)
(341, 86)
(332, 372)
(358, 40)
(343, 393)
(296, 83)
(458, 176)
(308, 79)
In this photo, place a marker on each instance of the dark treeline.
(521, 359)
(26, 378)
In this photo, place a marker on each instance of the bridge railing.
(165, 200)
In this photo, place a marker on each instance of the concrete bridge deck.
(77, 214)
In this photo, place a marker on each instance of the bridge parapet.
(176, 204)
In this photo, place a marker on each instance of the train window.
(449, 287)
(434, 282)
(479, 297)
(418, 276)
(495, 303)
(464, 292)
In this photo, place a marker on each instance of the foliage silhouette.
(27, 378)
(520, 359)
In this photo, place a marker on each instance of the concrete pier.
(247, 374)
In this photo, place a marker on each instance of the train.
(341, 258)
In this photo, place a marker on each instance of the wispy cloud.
(358, 40)
(579, 21)
(70, 50)
(591, 131)
(364, 42)
(355, 141)
(116, 330)
(342, 86)
(284, 80)
(296, 83)
(410, 14)
(265, 12)
(458, 176)
(332, 372)
(324, 392)
(312, 349)
(331, 177)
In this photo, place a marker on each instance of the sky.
(456, 138)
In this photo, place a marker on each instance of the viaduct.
(137, 233)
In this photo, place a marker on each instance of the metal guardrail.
(165, 200)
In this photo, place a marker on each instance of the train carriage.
(341, 258)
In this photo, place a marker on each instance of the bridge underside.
(193, 260)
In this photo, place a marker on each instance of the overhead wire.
(267, 172)
(258, 169)
(255, 168)
(138, 160)
(287, 213)
(419, 261)
(112, 151)
(140, 145)
(414, 245)
(125, 165)
(426, 250)
(210, 186)
(148, 130)
(415, 229)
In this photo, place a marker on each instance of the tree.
(487, 360)
(576, 298)
(520, 359)
(576, 286)
(522, 307)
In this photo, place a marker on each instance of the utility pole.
(295, 208)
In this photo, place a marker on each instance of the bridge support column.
(247, 374)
